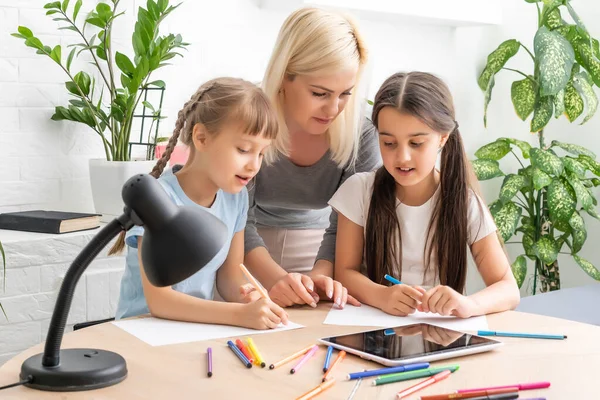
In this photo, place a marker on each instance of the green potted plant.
(545, 199)
(106, 100)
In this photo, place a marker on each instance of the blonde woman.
(313, 81)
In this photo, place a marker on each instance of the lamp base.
(79, 369)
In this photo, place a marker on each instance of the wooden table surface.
(179, 371)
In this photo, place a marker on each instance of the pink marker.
(519, 386)
(304, 359)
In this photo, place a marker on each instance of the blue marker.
(521, 335)
(385, 371)
(392, 279)
(327, 358)
(239, 353)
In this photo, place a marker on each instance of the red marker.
(240, 345)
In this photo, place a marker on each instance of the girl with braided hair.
(228, 125)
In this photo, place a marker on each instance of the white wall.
(44, 163)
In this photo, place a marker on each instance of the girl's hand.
(294, 288)
(249, 293)
(446, 301)
(333, 290)
(401, 300)
(262, 314)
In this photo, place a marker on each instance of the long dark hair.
(427, 98)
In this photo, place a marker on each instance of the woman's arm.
(502, 292)
(164, 302)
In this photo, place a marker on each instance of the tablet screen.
(409, 341)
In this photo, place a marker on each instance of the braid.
(182, 116)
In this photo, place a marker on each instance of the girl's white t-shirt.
(353, 198)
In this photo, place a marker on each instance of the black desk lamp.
(178, 241)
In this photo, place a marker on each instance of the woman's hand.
(446, 301)
(333, 290)
(294, 288)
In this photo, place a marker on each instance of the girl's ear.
(444, 139)
(200, 137)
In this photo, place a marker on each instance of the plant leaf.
(124, 63)
(586, 91)
(581, 192)
(588, 267)
(487, 97)
(25, 32)
(553, 19)
(561, 203)
(546, 249)
(149, 106)
(70, 58)
(555, 58)
(507, 219)
(540, 179)
(546, 161)
(523, 97)
(578, 231)
(584, 54)
(494, 151)
(495, 207)
(496, 60)
(524, 146)
(519, 269)
(559, 103)
(76, 9)
(528, 246)
(590, 163)
(161, 84)
(542, 113)
(486, 169)
(574, 166)
(65, 5)
(573, 149)
(55, 54)
(573, 102)
(511, 186)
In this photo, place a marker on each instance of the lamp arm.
(56, 329)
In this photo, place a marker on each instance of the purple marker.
(209, 359)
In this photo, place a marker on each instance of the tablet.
(410, 344)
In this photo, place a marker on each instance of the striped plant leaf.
(496, 60)
(507, 219)
(574, 166)
(524, 146)
(578, 231)
(581, 193)
(546, 161)
(511, 186)
(522, 94)
(555, 58)
(573, 102)
(494, 151)
(562, 201)
(546, 249)
(528, 246)
(573, 149)
(542, 113)
(584, 54)
(592, 165)
(486, 169)
(519, 269)
(553, 19)
(582, 83)
(588, 267)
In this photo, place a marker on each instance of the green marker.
(405, 376)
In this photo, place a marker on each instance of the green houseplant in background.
(106, 101)
(545, 199)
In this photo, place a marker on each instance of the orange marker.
(338, 360)
(319, 389)
(290, 358)
(240, 345)
(423, 384)
(254, 282)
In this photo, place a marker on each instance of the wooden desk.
(178, 372)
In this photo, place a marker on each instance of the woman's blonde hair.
(215, 103)
(313, 41)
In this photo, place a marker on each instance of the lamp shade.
(178, 241)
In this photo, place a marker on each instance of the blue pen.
(521, 335)
(392, 279)
(385, 371)
(327, 358)
(238, 353)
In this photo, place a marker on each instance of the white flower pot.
(107, 179)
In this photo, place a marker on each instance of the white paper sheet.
(160, 332)
(370, 316)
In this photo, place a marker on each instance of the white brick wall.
(36, 267)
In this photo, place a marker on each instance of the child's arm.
(164, 302)
(396, 300)
(501, 293)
